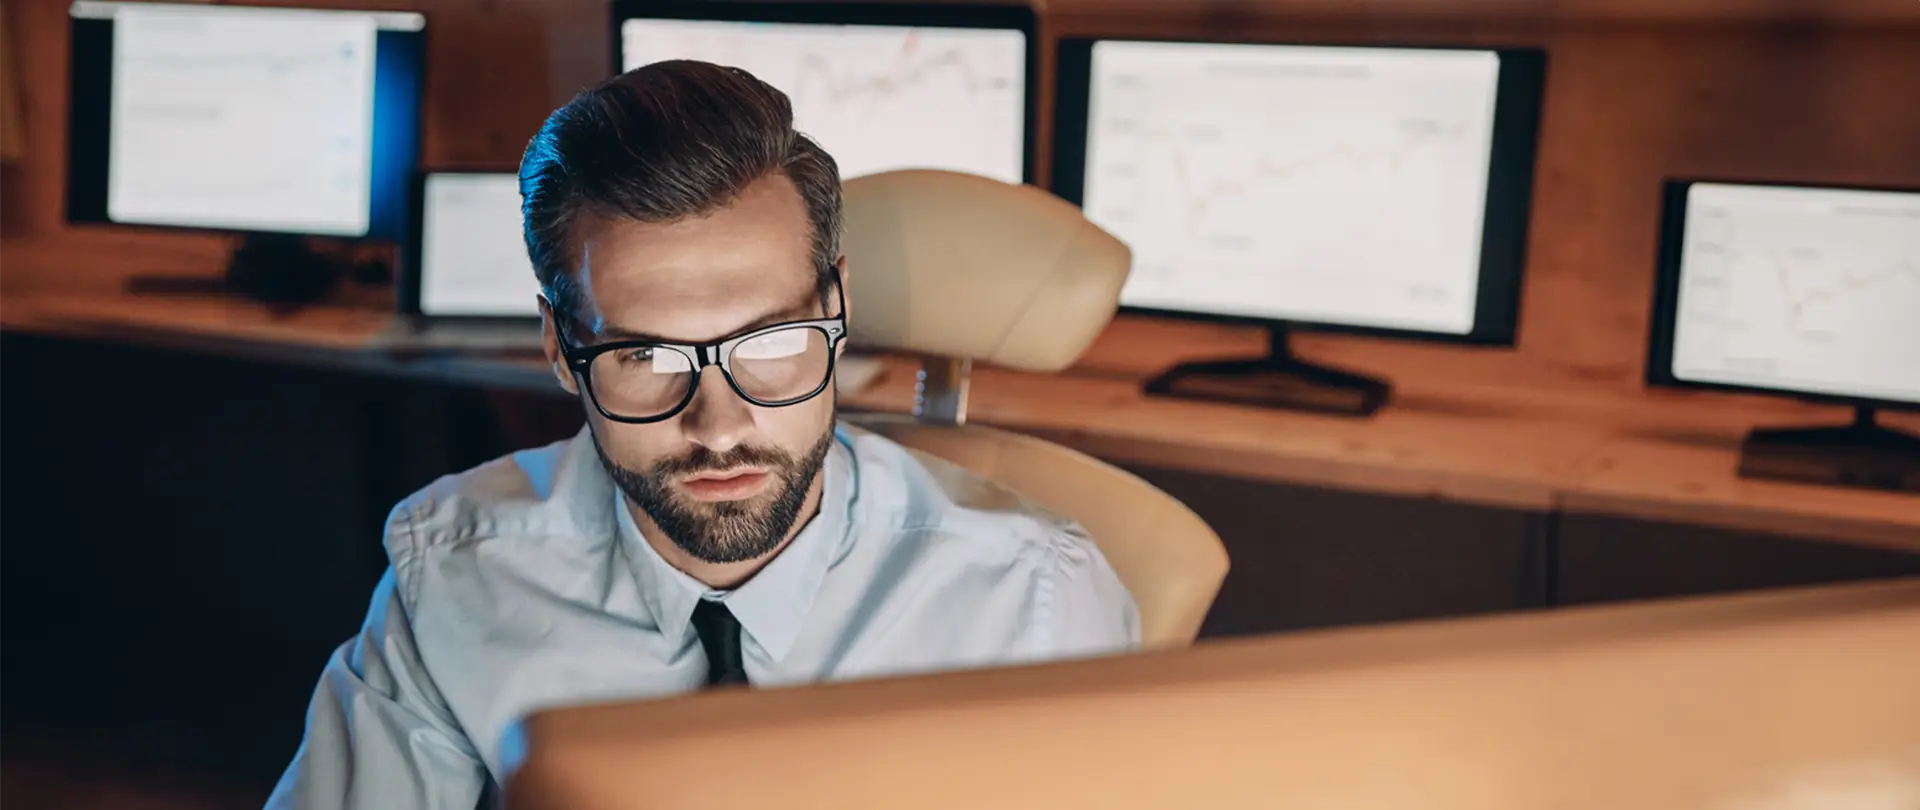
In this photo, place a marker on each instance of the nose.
(717, 418)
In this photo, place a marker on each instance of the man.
(713, 524)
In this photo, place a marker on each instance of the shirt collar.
(771, 605)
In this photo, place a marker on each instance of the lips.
(726, 485)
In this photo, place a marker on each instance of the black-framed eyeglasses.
(641, 381)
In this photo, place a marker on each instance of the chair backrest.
(960, 267)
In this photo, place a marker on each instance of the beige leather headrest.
(964, 266)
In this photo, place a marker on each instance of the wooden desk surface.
(1453, 432)
(1690, 482)
(1514, 462)
(352, 338)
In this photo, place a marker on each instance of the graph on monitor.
(1797, 289)
(242, 119)
(875, 97)
(473, 261)
(1324, 185)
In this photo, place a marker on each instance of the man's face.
(725, 480)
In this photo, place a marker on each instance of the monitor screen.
(276, 120)
(876, 96)
(1372, 188)
(1811, 291)
(471, 259)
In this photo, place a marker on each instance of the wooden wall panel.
(1638, 90)
(11, 144)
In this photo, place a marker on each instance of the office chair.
(958, 268)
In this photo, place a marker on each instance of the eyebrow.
(618, 334)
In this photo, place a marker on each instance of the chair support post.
(940, 390)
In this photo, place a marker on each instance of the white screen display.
(876, 98)
(242, 118)
(473, 258)
(1807, 290)
(1326, 185)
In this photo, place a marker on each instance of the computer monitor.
(276, 123)
(1362, 189)
(1804, 291)
(1785, 699)
(466, 257)
(880, 86)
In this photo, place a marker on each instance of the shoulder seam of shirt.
(1051, 532)
(404, 554)
(1046, 601)
(409, 546)
(540, 520)
(1065, 544)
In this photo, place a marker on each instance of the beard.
(724, 531)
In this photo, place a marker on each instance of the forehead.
(700, 278)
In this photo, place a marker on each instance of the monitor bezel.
(1666, 293)
(90, 118)
(1518, 98)
(1010, 17)
(408, 281)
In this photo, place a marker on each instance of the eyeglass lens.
(770, 368)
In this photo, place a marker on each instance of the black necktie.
(720, 635)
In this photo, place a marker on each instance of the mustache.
(701, 459)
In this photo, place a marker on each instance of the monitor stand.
(270, 268)
(1278, 380)
(1862, 454)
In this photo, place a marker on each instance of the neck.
(726, 576)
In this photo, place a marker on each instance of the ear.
(846, 299)
(550, 345)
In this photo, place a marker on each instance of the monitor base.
(1862, 454)
(1278, 380)
(270, 268)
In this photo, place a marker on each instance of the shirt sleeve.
(1088, 612)
(378, 733)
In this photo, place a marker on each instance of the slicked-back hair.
(662, 143)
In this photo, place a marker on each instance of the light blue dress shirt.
(524, 584)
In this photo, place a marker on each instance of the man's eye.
(667, 362)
